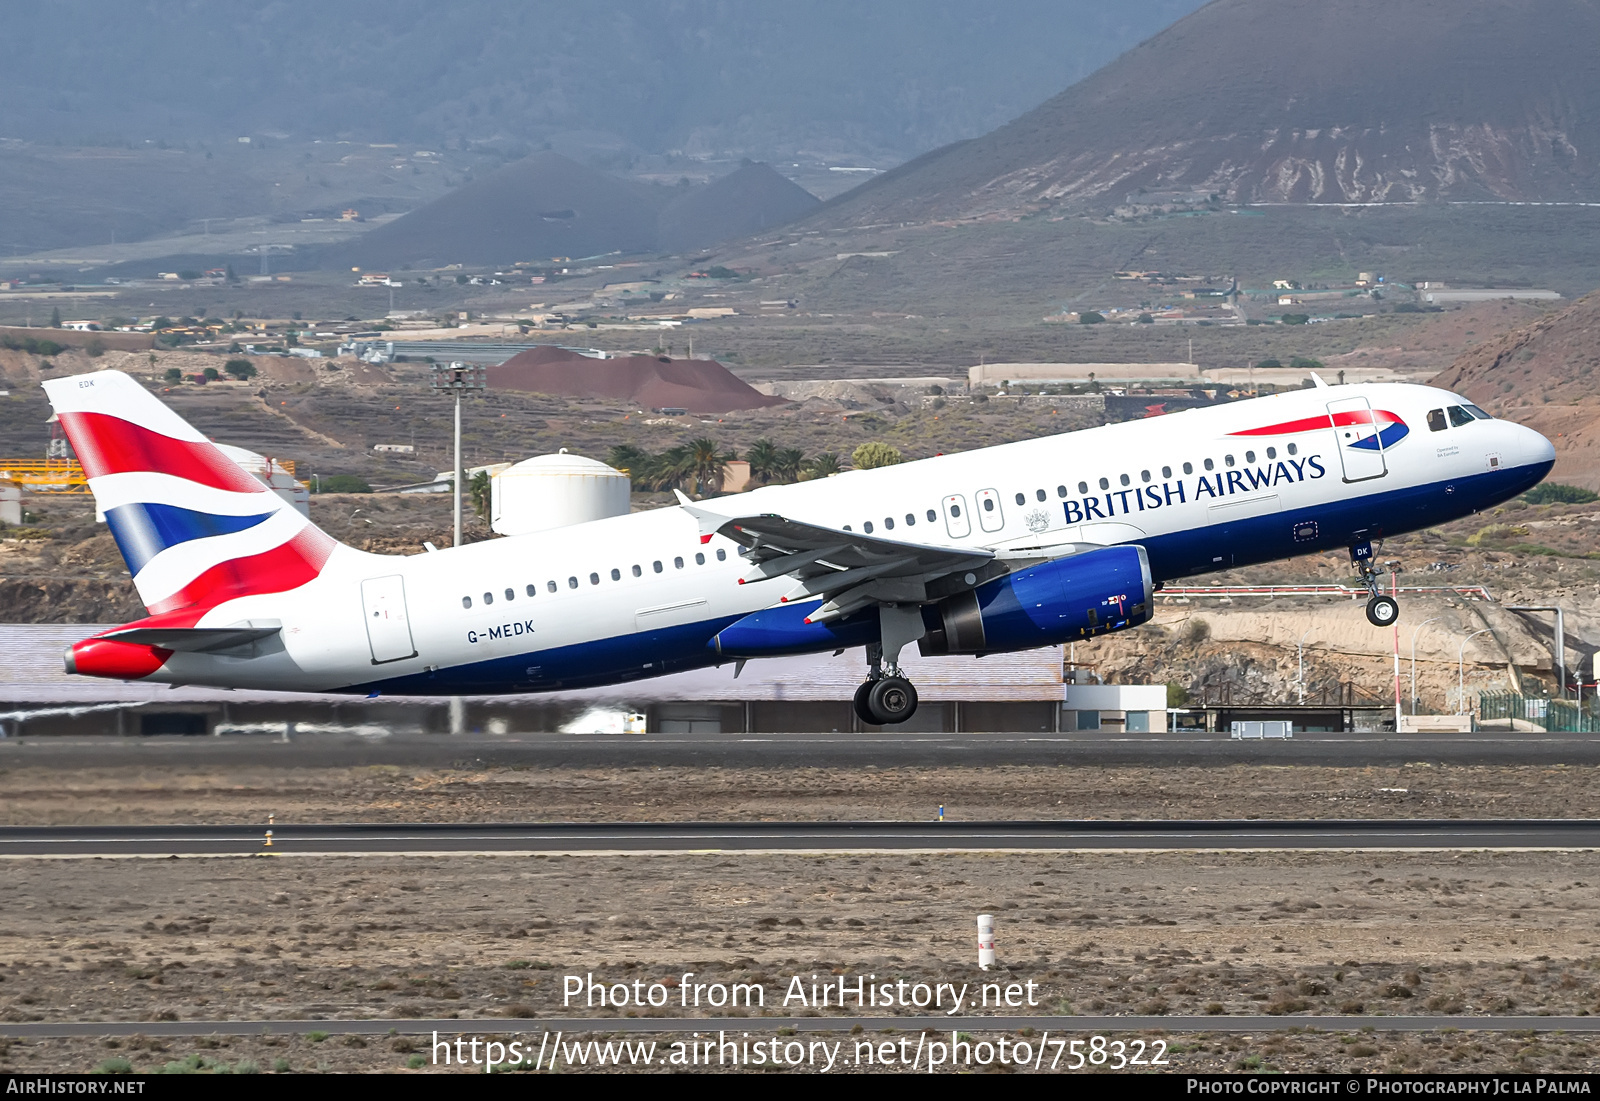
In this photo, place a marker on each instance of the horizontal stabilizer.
(198, 640)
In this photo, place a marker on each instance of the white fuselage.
(639, 595)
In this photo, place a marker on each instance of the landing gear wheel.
(1382, 611)
(863, 712)
(891, 700)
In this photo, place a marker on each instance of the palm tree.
(706, 463)
(791, 460)
(763, 457)
(629, 459)
(478, 489)
(822, 466)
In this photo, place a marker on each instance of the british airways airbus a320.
(1027, 544)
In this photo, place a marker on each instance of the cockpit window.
(1459, 416)
(1436, 421)
(1476, 412)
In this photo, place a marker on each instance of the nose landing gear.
(1382, 611)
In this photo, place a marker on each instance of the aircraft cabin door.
(383, 600)
(956, 520)
(1360, 445)
(990, 517)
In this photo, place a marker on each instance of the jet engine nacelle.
(1068, 598)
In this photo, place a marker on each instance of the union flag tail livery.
(1028, 544)
(195, 529)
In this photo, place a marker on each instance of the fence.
(1562, 716)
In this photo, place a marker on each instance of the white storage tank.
(554, 491)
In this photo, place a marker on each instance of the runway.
(752, 838)
(801, 750)
(1073, 1026)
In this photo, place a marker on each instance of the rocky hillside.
(1543, 375)
(1292, 101)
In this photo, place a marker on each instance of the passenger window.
(551, 585)
(1166, 472)
(466, 602)
(888, 523)
(867, 527)
(572, 582)
(1105, 484)
(594, 579)
(488, 598)
(988, 504)
(722, 555)
(1021, 499)
(932, 516)
(656, 565)
(1123, 479)
(699, 559)
(955, 510)
(1083, 487)
(1249, 456)
(511, 594)
(637, 572)
(677, 563)
(1459, 416)
(1293, 450)
(532, 589)
(1144, 475)
(1228, 459)
(847, 527)
(1061, 491)
(1188, 468)
(911, 519)
(1436, 420)
(1272, 452)
(1039, 494)
(1210, 465)
(616, 575)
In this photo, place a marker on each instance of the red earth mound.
(656, 382)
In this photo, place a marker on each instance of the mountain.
(536, 208)
(883, 80)
(1293, 101)
(753, 199)
(547, 205)
(1544, 375)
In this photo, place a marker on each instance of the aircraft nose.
(1535, 448)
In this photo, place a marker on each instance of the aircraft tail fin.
(193, 526)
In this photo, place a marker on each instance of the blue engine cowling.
(1068, 598)
(773, 632)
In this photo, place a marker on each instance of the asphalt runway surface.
(645, 838)
(451, 1027)
(838, 750)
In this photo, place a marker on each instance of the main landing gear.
(887, 698)
(1382, 611)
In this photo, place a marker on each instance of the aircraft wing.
(847, 569)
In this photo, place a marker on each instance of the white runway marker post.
(985, 941)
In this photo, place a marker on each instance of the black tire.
(1382, 611)
(892, 700)
(863, 712)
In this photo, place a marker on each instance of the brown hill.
(656, 382)
(1294, 100)
(1544, 375)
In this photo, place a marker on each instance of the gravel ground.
(383, 793)
(482, 936)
